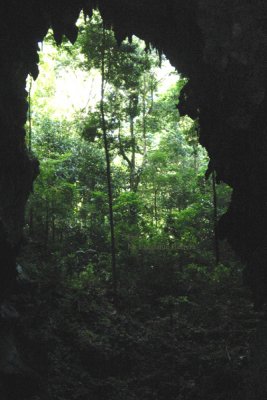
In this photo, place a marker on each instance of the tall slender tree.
(108, 164)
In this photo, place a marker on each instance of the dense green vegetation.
(129, 296)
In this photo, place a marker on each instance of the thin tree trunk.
(133, 164)
(145, 123)
(156, 207)
(53, 229)
(30, 117)
(215, 219)
(108, 170)
(46, 225)
(139, 171)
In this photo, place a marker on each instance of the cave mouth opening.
(159, 194)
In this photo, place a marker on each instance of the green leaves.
(91, 127)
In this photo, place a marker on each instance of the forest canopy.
(157, 165)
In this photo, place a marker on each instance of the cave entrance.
(118, 163)
(176, 317)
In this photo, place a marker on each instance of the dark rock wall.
(23, 25)
(220, 45)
